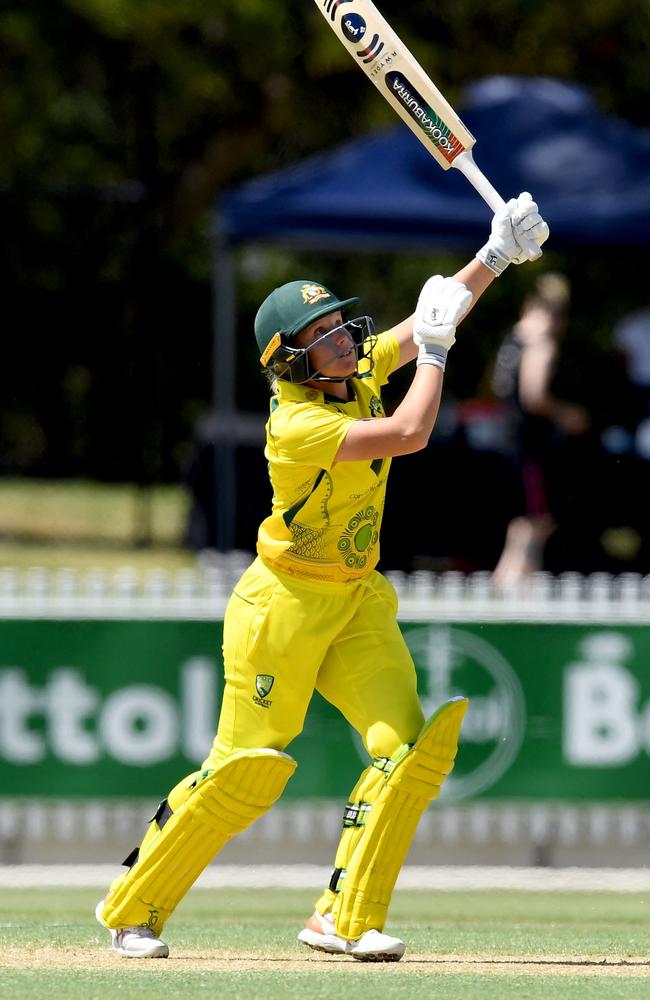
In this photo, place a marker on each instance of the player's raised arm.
(431, 331)
(518, 223)
(442, 303)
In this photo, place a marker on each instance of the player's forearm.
(407, 430)
(441, 305)
(415, 417)
(477, 278)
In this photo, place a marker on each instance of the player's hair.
(271, 380)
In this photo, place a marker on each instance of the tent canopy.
(589, 172)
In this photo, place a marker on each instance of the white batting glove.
(441, 305)
(518, 220)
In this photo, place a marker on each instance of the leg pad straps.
(220, 805)
(413, 781)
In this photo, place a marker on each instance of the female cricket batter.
(312, 613)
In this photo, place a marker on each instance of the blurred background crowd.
(124, 123)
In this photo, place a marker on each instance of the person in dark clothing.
(523, 373)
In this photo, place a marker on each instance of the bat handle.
(466, 164)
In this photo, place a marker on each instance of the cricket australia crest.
(311, 294)
(263, 685)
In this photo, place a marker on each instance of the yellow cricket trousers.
(285, 638)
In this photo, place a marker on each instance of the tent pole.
(223, 384)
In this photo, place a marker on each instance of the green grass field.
(84, 525)
(241, 944)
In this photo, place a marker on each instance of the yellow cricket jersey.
(325, 519)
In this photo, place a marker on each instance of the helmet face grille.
(293, 364)
(363, 334)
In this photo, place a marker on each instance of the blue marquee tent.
(589, 172)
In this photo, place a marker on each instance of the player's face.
(333, 352)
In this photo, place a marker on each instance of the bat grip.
(466, 164)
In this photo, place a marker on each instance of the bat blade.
(402, 81)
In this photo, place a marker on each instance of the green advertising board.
(105, 708)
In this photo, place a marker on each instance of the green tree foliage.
(241, 87)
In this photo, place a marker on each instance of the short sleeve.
(310, 435)
(386, 356)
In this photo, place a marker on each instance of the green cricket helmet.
(288, 310)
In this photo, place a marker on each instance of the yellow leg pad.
(414, 782)
(366, 790)
(222, 804)
(178, 795)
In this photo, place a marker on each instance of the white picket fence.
(201, 593)
(622, 825)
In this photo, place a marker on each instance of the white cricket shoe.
(320, 934)
(134, 942)
(374, 946)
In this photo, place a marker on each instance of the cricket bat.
(398, 76)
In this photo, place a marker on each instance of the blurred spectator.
(632, 340)
(522, 379)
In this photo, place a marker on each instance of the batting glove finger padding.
(519, 220)
(441, 305)
(522, 207)
(528, 224)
